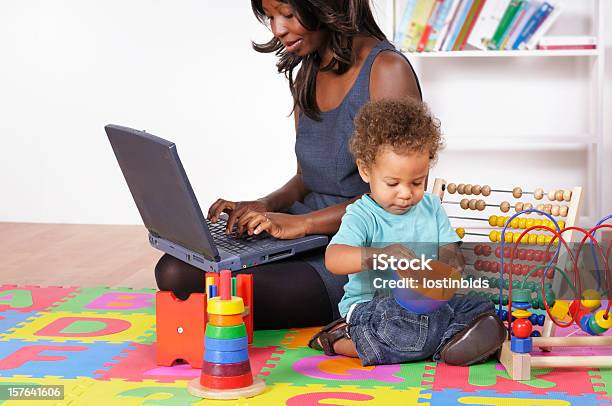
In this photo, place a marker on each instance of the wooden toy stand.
(180, 324)
(518, 365)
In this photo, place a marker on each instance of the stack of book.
(456, 25)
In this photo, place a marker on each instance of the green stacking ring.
(225, 333)
(596, 328)
(521, 295)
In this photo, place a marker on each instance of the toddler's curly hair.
(405, 125)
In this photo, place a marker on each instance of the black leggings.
(286, 294)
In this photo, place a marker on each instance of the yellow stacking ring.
(601, 322)
(225, 307)
(521, 314)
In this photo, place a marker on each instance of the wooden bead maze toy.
(558, 220)
(582, 310)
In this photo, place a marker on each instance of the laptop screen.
(160, 188)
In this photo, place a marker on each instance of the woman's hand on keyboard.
(278, 225)
(235, 210)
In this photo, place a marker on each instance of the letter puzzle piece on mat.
(299, 337)
(286, 394)
(110, 300)
(46, 358)
(452, 397)
(602, 383)
(307, 366)
(85, 327)
(136, 393)
(32, 298)
(270, 338)
(10, 318)
(137, 363)
(492, 375)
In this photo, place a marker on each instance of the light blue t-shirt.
(366, 224)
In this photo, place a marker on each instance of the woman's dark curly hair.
(343, 19)
(405, 125)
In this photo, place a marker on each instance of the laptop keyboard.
(237, 245)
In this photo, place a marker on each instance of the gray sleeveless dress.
(328, 168)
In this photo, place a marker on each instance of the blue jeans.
(386, 333)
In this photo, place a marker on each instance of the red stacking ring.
(226, 382)
(238, 368)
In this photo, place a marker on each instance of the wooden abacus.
(519, 365)
(567, 213)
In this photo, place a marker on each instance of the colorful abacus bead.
(538, 193)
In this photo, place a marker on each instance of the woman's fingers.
(264, 226)
(244, 220)
(235, 217)
(218, 207)
(213, 208)
(258, 224)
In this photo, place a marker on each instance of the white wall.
(185, 70)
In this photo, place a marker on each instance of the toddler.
(394, 144)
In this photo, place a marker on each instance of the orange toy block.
(180, 328)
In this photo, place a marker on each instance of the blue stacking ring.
(584, 324)
(225, 357)
(521, 305)
(234, 344)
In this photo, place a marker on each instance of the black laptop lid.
(160, 188)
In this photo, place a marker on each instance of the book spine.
(542, 26)
(516, 26)
(448, 23)
(465, 7)
(469, 23)
(428, 28)
(531, 25)
(475, 39)
(565, 47)
(436, 28)
(520, 29)
(403, 25)
(420, 16)
(504, 23)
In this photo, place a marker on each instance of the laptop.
(170, 210)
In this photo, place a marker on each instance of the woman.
(344, 60)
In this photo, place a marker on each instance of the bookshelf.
(503, 54)
(567, 128)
